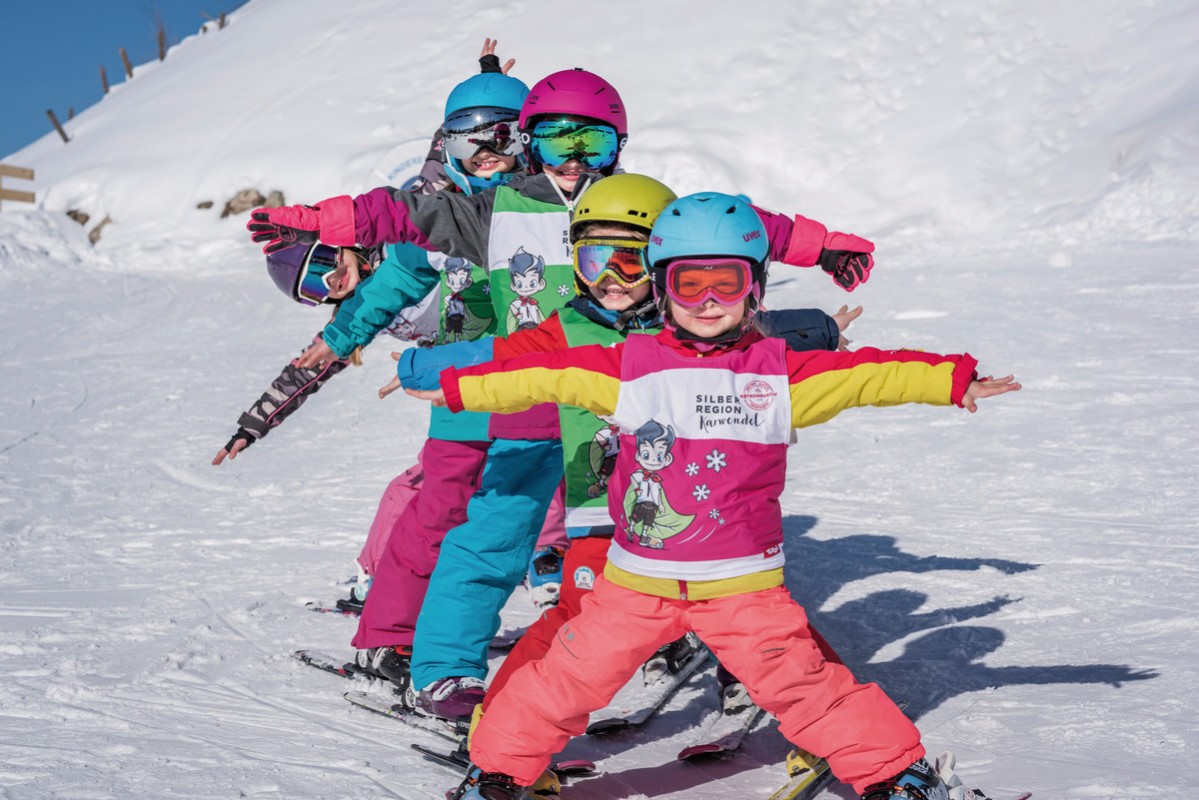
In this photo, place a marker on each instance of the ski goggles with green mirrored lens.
(471, 129)
(555, 142)
(313, 288)
(692, 282)
(622, 260)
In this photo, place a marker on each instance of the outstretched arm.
(587, 377)
(286, 394)
(825, 384)
(804, 242)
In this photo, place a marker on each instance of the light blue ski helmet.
(493, 95)
(492, 89)
(709, 225)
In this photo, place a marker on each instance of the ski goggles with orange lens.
(692, 282)
(622, 260)
(471, 129)
(553, 142)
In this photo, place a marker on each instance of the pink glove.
(847, 258)
(331, 221)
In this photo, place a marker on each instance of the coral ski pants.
(584, 560)
(484, 559)
(762, 637)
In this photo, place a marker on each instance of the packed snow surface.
(1025, 578)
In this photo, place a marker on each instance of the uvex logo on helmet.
(749, 237)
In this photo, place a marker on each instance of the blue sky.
(51, 52)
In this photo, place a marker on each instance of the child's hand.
(987, 387)
(489, 46)
(844, 318)
(314, 356)
(434, 396)
(394, 383)
(240, 441)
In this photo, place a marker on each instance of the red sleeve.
(545, 338)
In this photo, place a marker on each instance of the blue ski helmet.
(498, 99)
(492, 89)
(709, 225)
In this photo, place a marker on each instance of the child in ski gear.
(478, 152)
(318, 274)
(731, 398)
(613, 301)
(573, 125)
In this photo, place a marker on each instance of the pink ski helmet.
(574, 92)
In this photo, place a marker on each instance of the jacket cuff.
(806, 242)
(449, 386)
(341, 344)
(337, 221)
(964, 372)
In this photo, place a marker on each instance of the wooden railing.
(11, 194)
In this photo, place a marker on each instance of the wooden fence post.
(162, 45)
(220, 21)
(125, 61)
(104, 79)
(16, 172)
(57, 126)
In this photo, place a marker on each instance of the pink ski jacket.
(703, 438)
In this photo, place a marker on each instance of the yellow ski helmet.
(626, 198)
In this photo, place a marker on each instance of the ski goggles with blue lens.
(553, 142)
(622, 260)
(313, 288)
(471, 129)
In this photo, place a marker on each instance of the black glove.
(849, 269)
(241, 435)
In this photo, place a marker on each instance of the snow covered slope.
(1024, 578)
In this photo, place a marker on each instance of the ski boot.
(357, 599)
(545, 577)
(488, 786)
(918, 782)
(547, 787)
(448, 698)
(800, 761)
(733, 697)
(946, 765)
(388, 663)
(670, 658)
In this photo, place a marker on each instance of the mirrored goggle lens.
(554, 142)
(694, 282)
(621, 259)
(313, 287)
(472, 128)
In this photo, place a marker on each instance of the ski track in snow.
(1025, 578)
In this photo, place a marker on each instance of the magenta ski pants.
(418, 508)
(451, 476)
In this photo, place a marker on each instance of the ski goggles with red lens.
(622, 260)
(553, 142)
(313, 288)
(692, 282)
(471, 129)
